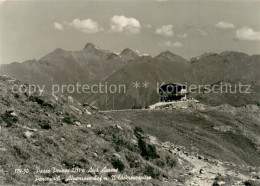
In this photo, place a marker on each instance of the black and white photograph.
(130, 92)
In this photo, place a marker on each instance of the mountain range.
(60, 66)
(92, 65)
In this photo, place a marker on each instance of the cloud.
(166, 31)
(224, 25)
(85, 25)
(124, 24)
(183, 36)
(58, 26)
(247, 33)
(202, 32)
(172, 44)
(177, 44)
(148, 26)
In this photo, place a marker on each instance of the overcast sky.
(32, 29)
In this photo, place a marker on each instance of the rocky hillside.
(209, 69)
(42, 132)
(47, 139)
(226, 66)
(164, 68)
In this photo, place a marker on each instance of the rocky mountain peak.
(59, 50)
(129, 54)
(207, 54)
(57, 53)
(91, 46)
(169, 56)
(226, 53)
(233, 55)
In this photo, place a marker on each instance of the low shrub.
(132, 161)
(160, 163)
(40, 101)
(170, 162)
(117, 164)
(137, 107)
(249, 183)
(10, 120)
(45, 125)
(21, 153)
(147, 151)
(150, 171)
(67, 119)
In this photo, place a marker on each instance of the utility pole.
(106, 100)
(113, 103)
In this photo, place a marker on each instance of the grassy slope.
(41, 132)
(194, 130)
(57, 140)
